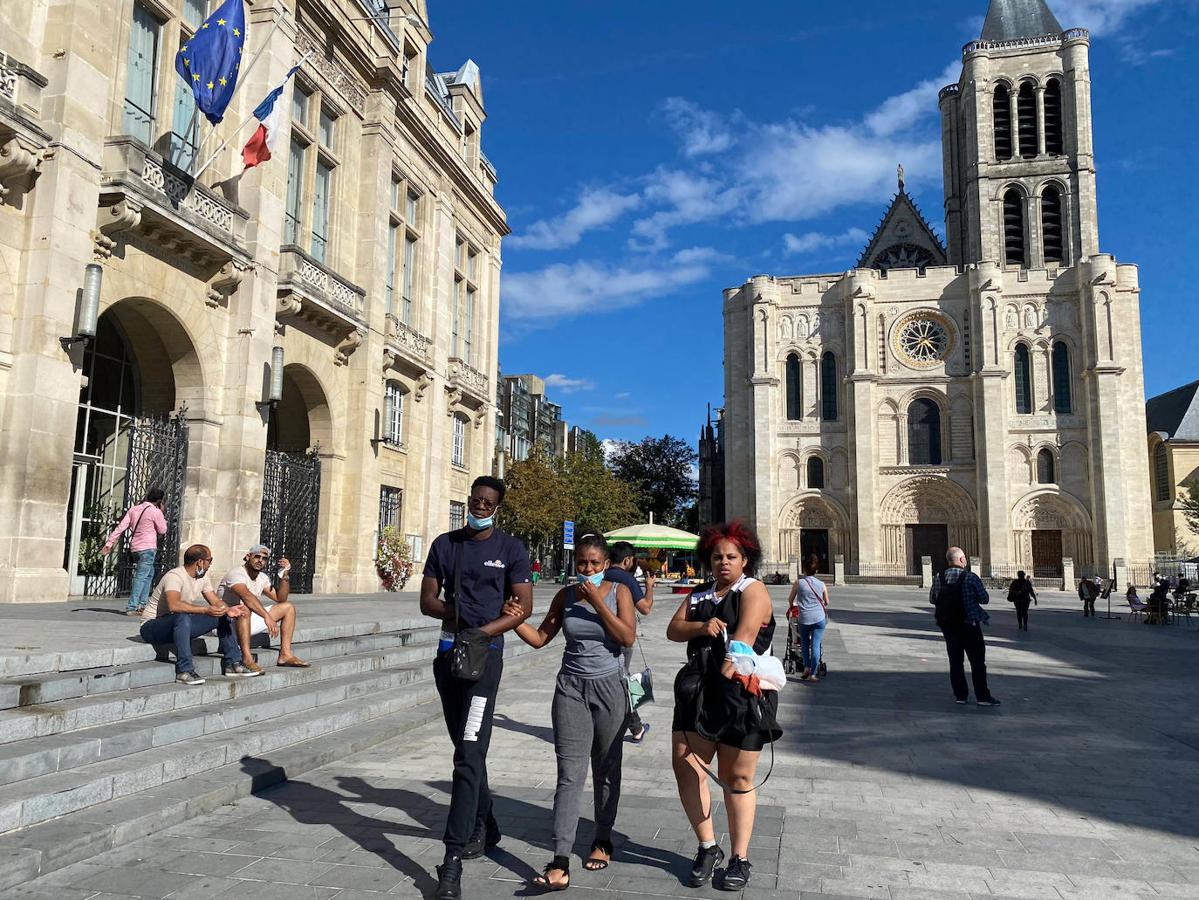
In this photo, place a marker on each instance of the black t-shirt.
(620, 576)
(489, 570)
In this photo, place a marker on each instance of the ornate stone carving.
(480, 417)
(288, 305)
(422, 386)
(225, 282)
(111, 220)
(8, 79)
(922, 339)
(350, 343)
(19, 163)
(468, 378)
(330, 70)
(925, 499)
(453, 398)
(182, 196)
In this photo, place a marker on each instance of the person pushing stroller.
(807, 613)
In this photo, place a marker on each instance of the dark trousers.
(1088, 606)
(968, 640)
(1022, 613)
(180, 628)
(469, 709)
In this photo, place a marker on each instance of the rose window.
(923, 340)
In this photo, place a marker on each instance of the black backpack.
(950, 604)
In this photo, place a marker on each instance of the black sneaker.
(706, 861)
(990, 701)
(736, 876)
(449, 879)
(481, 843)
(961, 702)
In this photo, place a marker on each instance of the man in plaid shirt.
(959, 597)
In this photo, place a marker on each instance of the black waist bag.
(468, 656)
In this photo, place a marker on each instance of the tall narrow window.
(323, 187)
(828, 387)
(458, 455)
(1026, 118)
(185, 118)
(466, 274)
(1023, 380)
(141, 75)
(924, 433)
(1051, 224)
(1013, 229)
(1046, 468)
(457, 515)
(1161, 473)
(409, 275)
(295, 187)
(391, 507)
(794, 388)
(1002, 119)
(815, 473)
(393, 413)
(1054, 145)
(393, 237)
(1063, 401)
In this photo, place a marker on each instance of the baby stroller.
(793, 657)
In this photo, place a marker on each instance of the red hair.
(736, 532)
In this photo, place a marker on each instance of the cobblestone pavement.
(1083, 784)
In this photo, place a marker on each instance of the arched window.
(1023, 380)
(1026, 118)
(1063, 402)
(1053, 118)
(1046, 468)
(815, 473)
(794, 389)
(828, 387)
(1051, 225)
(1161, 473)
(393, 413)
(924, 433)
(1002, 118)
(1013, 229)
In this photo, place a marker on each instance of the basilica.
(984, 391)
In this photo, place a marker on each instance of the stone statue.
(899, 171)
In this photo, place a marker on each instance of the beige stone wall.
(202, 283)
(1171, 533)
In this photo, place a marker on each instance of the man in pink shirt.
(145, 523)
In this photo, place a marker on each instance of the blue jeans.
(810, 637)
(143, 579)
(180, 628)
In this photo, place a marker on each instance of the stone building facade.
(986, 392)
(358, 270)
(1173, 422)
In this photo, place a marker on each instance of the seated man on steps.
(184, 606)
(245, 586)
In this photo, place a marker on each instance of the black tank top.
(705, 605)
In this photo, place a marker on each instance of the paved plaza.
(1084, 783)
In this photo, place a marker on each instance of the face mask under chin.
(479, 524)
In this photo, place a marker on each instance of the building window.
(299, 106)
(408, 67)
(327, 129)
(1161, 473)
(409, 277)
(1002, 119)
(323, 187)
(1023, 367)
(1054, 144)
(457, 515)
(1013, 229)
(466, 280)
(309, 217)
(1046, 468)
(815, 473)
(391, 508)
(393, 413)
(142, 76)
(828, 387)
(924, 433)
(458, 455)
(393, 237)
(1063, 401)
(1052, 232)
(794, 389)
(1026, 118)
(295, 188)
(194, 12)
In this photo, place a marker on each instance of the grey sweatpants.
(589, 719)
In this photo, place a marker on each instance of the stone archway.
(926, 501)
(816, 520)
(1054, 514)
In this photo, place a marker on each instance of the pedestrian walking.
(959, 597)
(478, 567)
(624, 561)
(591, 703)
(716, 712)
(536, 570)
(807, 606)
(1088, 592)
(1022, 593)
(145, 522)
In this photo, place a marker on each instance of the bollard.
(976, 565)
(1120, 567)
(839, 569)
(793, 569)
(926, 571)
(1067, 574)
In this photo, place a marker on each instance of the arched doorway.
(291, 478)
(1048, 526)
(813, 523)
(925, 516)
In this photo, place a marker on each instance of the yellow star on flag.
(205, 25)
(237, 32)
(223, 82)
(186, 61)
(220, 21)
(195, 76)
(210, 85)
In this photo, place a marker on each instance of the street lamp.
(89, 307)
(275, 383)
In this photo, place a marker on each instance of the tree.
(659, 470)
(1188, 501)
(537, 500)
(597, 498)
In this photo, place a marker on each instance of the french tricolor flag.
(258, 150)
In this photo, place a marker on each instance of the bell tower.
(1019, 164)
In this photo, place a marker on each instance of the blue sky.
(653, 153)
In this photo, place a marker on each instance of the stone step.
(195, 711)
(252, 764)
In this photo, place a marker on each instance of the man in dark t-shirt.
(494, 566)
(624, 561)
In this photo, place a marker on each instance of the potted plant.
(393, 559)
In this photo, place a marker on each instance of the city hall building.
(984, 392)
(301, 352)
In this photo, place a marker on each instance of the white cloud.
(814, 240)
(898, 113)
(596, 208)
(701, 131)
(1100, 17)
(568, 385)
(688, 198)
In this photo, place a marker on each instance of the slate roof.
(1175, 413)
(1010, 20)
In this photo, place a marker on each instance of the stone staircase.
(95, 755)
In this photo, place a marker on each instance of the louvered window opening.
(1026, 118)
(1053, 118)
(1013, 229)
(828, 387)
(1003, 122)
(815, 473)
(794, 387)
(924, 433)
(1046, 469)
(1161, 473)
(1023, 381)
(1063, 401)
(1052, 232)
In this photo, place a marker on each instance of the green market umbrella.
(651, 536)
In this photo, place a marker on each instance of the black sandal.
(595, 864)
(559, 863)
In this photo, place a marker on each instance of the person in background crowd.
(147, 523)
(959, 597)
(591, 705)
(809, 603)
(1022, 593)
(624, 560)
(248, 584)
(1088, 592)
(184, 606)
(494, 566)
(536, 570)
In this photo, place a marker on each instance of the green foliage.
(659, 472)
(597, 498)
(1188, 502)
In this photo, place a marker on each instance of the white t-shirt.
(178, 579)
(256, 585)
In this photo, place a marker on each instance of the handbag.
(641, 685)
(468, 656)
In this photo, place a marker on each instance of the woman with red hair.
(715, 715)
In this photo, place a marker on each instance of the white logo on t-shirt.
(494, 564)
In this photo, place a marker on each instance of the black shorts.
(687, 716)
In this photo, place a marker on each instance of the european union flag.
(211, 60)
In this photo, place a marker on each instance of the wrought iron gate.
(291, 498)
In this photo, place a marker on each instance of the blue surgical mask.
(479, 524)
(597, 579)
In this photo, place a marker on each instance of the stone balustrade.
(469, 380)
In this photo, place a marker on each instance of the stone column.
(839, 569)
(991, 405)
(1068, 578)
(926, 572)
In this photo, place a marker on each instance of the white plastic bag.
(769, 669)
